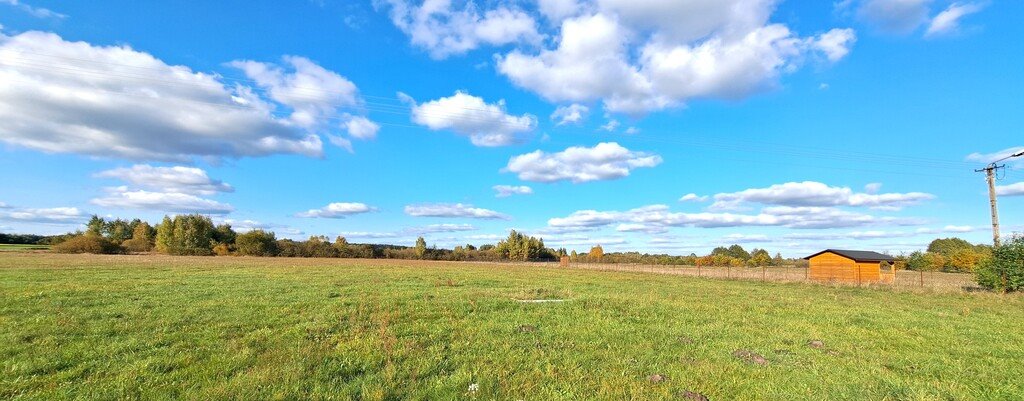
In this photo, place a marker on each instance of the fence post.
(763, 271)
(698, 269)
(922, 277)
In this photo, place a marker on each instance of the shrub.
(222, 250)
(87, 243)
(256, 243)
(1004, 271)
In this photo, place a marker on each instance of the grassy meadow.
(202, 328)
(22, 247)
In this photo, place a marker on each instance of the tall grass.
(156, 327)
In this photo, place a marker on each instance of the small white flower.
(474, 387)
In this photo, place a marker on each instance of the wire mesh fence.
(901, 279)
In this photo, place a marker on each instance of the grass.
(22, 247)
(156, 327)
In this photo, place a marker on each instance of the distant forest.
(197, 235)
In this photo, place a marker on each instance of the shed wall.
(832, 267)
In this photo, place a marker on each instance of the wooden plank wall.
(832, 267)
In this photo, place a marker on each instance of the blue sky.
(795, 125)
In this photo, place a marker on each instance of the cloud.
(485, 124)
(611, 125)
(692, 197)
(632, 131)
(654, 216)
(314, 94)
(895, 16)
(361, 127)
(572, 114)
(855, 235)
(987, 158)
(556, 10)
(685, 50)
(187, 180)
(440, 228)
(444, 30)
(950, 229)
(835, 44)
(56, 215)
(605, 161)
(122, 198)
(948, 21)
(810, 193)
(37, 12)
(337, 210)
(249, 225)
(633, 56)
(504, 191)
(1016, 189)
(453, 210)
(117, 102)
(747, 238)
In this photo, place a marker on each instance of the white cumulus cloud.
(188, 180)
(692, 197)
(948, 21)
(810, 193)
(115, 101)
(1016, 189)
(123, 198)
(571, 114)
(504, 191)
(55, 215)
(485, 124)
(445, 29)
(605, 161)
(453, 210)
(37, 12)
(337, 210)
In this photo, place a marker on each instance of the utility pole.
(990, 176)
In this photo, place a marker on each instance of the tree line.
(996, 268)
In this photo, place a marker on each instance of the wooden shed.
(849, 266)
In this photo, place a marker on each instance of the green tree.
(596, 253)
(190, 234)
(1004, 270)
(319, 247)
(224, 234)
(341, 244)
(777, 260)
(519, 247)
(948, 246)
(142, 238)
(738, 252)
(164, 235)
(759, 258)
(421, 247)
(256, 243)
(95, 226)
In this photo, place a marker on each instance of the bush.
(1004, 271)
(222, 250)
(256, 243)
(87, 243)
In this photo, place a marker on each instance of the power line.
(990, 177)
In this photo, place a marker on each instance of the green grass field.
(156, 327)
(22, 247)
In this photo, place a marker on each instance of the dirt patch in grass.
(750, 357)
(541, 294)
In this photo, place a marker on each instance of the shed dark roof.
(858, 256)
